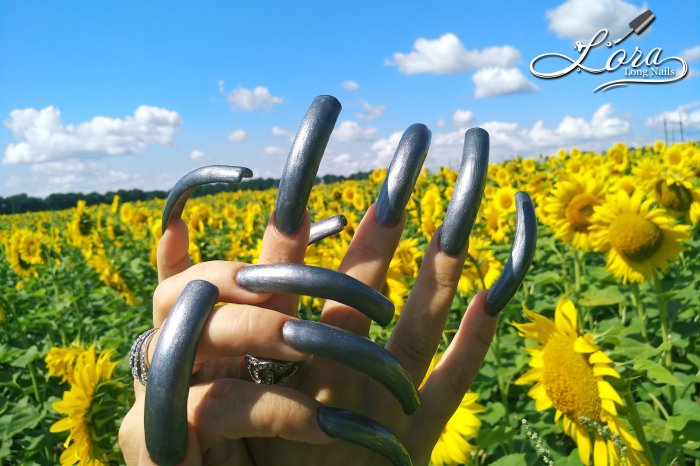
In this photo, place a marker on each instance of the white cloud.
(248, 100)
(197, 154)
(44, 137)
(688, 114)
(580, 19)
(350, 131)
(495, 81)
(447, 55)
(384, 149)
(282, 132)
(221, 86)
(508, 138)
(461, 118)
(69, 165)
(237, 135)
(691, 54)
(351, 85)
(440, 123)
(372, 112)
(342, 158)
(273, 150)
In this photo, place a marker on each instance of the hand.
(222, 408)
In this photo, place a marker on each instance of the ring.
(270, 371)
(137, 356)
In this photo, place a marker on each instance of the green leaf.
(601, 297)
(31, 353)
(515, 459)
(23, 416)
(657, 373)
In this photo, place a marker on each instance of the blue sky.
(97, 96)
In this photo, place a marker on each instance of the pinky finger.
(453, 375)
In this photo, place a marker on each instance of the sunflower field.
(595, 361)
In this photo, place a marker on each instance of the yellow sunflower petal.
(601, 370)
(607, 392)
(600, 452)
(599, 358)
(565, 317)
(583, 440)
(585, 344)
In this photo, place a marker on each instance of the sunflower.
(89, 372)
(432, 210)
(570, 206)
(452, 448)
(61, 361)
(504, 199)
(637, 237)
(569, 370)
(481, 268)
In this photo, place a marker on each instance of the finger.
(354, 351)
(177, 197)
(367, 260)
(467, 194)
(520, 256)
(172, 253)
(420, 325)
(327, 227)
(453, 375)
(303, 161)
(281, 248)
(221, 274)
(375, 240)
(318, 282)
(236, 329)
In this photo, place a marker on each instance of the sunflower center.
(674, 197)
(579, 210)
(569, 380)
(635, 237)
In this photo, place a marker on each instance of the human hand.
(413, 342)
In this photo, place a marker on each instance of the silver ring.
(138, 356)
(270, 371)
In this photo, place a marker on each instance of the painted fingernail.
(351, 427)
(177, 198)
(319, 282)
(327, 227)
(169, 377)
(520, 257)
(354, 351)
(402, 174)
(467, 193)
(302, 163)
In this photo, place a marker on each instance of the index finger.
(172, 255)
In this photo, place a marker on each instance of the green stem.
(577, 272)
(665, 331)
(640, 309)
(35, 385)
(636, 422)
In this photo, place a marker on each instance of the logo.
(637, 67)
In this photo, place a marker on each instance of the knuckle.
(444, 280)
(415, 346)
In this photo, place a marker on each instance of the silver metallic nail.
(327, 227)
(165, 417)
(467, 194)
(319, 282)
(354, 351)
(402, 174)
(302, 163)
(520, 257)
(351, 427)
(177, 198)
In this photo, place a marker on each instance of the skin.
(287, 416)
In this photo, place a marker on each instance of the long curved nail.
(327, 227)
(351, 427)
(177, 198)
(354, 351)
(302, 163)
(319, 282)
(520, 257)
(171, 370)
(468, 190)
(402, 174)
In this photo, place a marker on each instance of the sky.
(99, 96)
